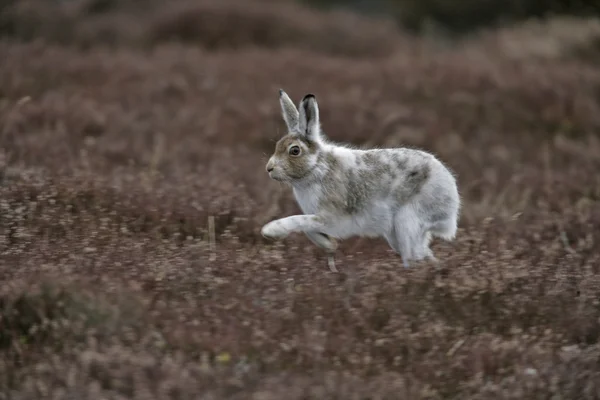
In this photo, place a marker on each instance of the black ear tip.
(308, 97)
(281, 92)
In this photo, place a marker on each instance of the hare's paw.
(274, 230)
(324, 241)
(332, 245)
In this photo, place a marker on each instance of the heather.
(133, 141)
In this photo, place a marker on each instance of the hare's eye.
(294, 150)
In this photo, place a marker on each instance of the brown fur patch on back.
(414, 181)
(382, 174)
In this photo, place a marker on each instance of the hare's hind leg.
(400, 239)
(413, 247)
(422, 250)
(409, 238)
(400, 246)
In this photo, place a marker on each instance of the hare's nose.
(270, 165)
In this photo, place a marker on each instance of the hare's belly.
(357, 225)
(373, 222)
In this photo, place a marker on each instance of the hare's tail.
(445, 229)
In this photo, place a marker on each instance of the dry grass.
(117, 164)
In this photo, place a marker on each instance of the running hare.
(401, 194)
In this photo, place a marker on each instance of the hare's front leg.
(327, 243)
(311, 225)
(322, 240)
(280, 228)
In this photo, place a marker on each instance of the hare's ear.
(288, 111)
(308, 119)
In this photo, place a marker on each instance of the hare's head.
(296, 153)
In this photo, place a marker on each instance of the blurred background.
(207, 22)
(463, 16)
(21, 18)
(133, 141)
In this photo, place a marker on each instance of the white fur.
(406, 220)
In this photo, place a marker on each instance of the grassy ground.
(118, 156)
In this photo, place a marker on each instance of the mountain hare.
(401, 194)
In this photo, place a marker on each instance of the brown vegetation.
(113, 160)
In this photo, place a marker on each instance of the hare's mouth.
(278, 178)
(275, 177)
